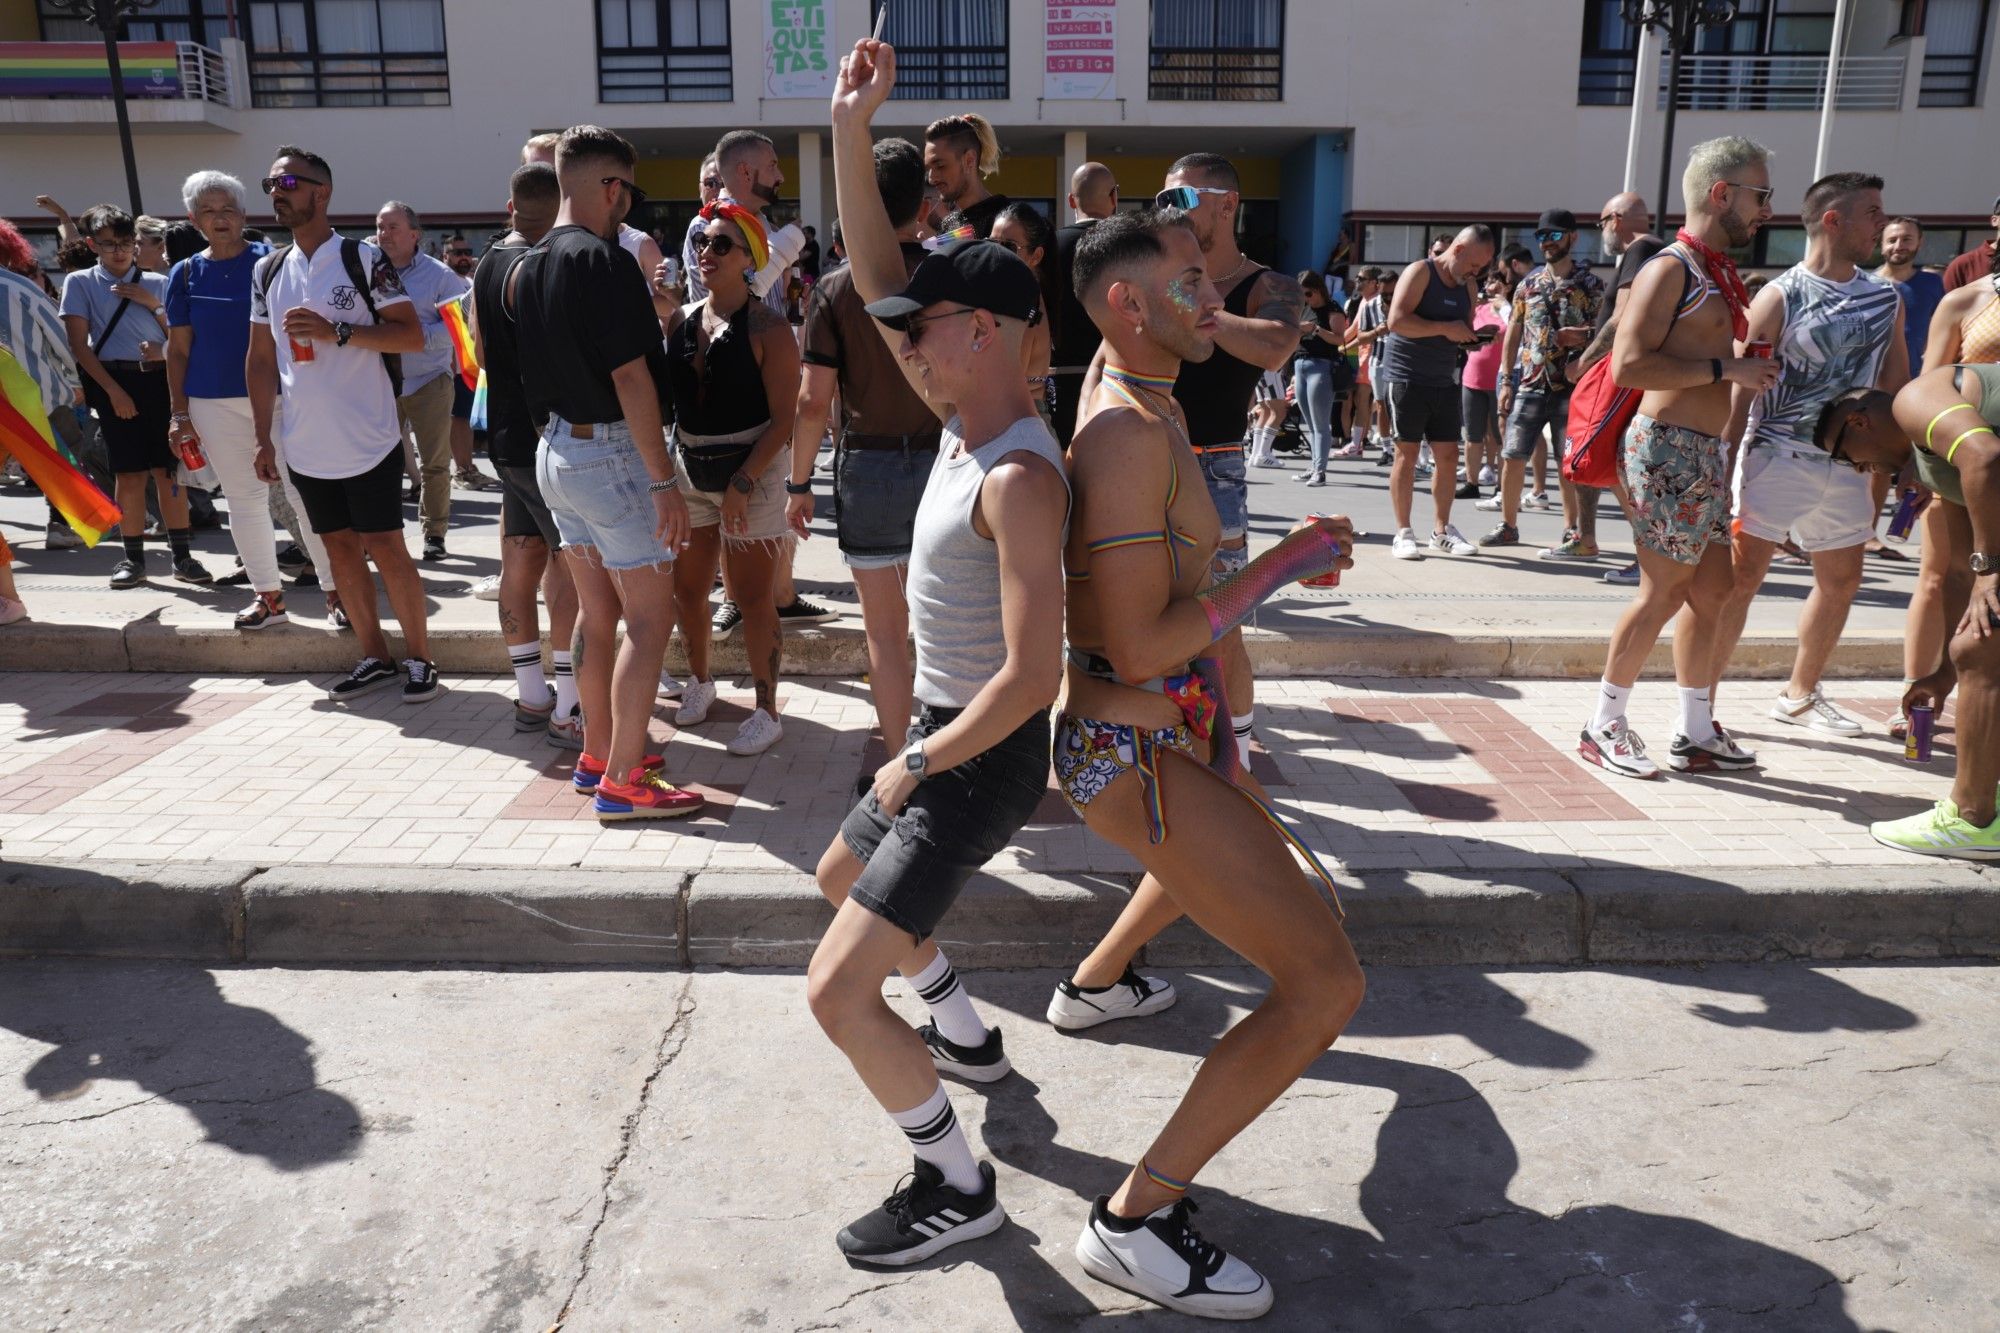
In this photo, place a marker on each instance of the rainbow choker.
(1157, 383)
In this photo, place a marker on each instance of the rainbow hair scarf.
(746, 222)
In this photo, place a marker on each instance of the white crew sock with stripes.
(566, 696)
(951, 1008)
(1244, 725)
(528, 677)
(933, 1131)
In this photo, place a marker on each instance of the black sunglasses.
(722, 245)
(289, 181)
(458, 254)
(913, 327)
(638, 195)
(1550, 235)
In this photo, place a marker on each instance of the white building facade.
(1383, 122)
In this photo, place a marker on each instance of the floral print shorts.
(1679, 480)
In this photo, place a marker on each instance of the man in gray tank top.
(985, 582)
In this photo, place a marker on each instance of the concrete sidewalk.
(243, 818)
(1502, 614)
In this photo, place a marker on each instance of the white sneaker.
(759, 732)
(1131, 996)
(1452, 542)
(1815, 712)
(696, 699)
(1537, 500)
(487, 589)
(1165, 1261)
(1405, 546)
(669, 687)
(1618, 748)
(1489, 503)
(1488, 477)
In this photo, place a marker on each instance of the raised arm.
(1269, 334)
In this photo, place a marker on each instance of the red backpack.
(1600, 412)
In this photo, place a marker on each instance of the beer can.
(1759, 348)
(1917, 743)
(1330, 579)
(301, 352)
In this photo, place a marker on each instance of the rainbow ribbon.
(26, 434)
(463, 349)
(944, 238)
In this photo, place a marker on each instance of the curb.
(219, 912)
(842, 651)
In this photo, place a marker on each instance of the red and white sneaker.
(1618, 748)
(1720, 754)
(645, 795)
(589, 770)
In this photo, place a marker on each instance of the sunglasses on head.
(722, 245)
(1187, 198)
(638, 195)
(291, 180)
(1549, 236)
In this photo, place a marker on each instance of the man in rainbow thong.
(1140, 610)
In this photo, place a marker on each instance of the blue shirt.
(429, 281)
(1921, 295)
(88, 294)
(212, 297)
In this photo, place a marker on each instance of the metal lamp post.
(108, 16)
(1678, 21)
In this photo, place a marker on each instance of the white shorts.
(1816, 502)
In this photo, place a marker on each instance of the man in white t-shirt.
(331, 314)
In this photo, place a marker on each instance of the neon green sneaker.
(1940, 832)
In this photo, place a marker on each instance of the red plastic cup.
(300, 351)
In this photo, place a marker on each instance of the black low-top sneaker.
(191, 570)
(291, 559)
(985, 1063)
(1163, 1259)
(371, 674)
(420, 680)
(923, 1216)
(1073, 1008)
(434, 548)
(803, 612)
(127, 574)
(727, 617)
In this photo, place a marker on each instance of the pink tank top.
(1482, 365)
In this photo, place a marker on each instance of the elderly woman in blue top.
(208, 337)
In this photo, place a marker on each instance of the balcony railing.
(966, 73)
(165, 71)
(1784, 83)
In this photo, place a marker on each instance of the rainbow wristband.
(1163, 1181)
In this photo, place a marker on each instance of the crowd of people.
(1029, 417)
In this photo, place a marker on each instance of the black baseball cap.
(982, 274)
(1556, 219)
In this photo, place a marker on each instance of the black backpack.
(350, 259)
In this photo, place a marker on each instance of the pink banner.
(1079, 45)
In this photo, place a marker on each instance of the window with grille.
(1954, 33)
(1217, 51)
(663, 51)
(347, 53)
(203, 21)
(947, 50)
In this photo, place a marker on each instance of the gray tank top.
(954, 586)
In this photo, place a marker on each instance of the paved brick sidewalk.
(1380, 774)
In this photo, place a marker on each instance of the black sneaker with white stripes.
(923, 1216)
(1073, 1008)
(1162, 1258)
(371, 674)
(985, 1063)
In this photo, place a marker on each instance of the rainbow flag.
(80, 69)
(25, 433)
(461, 339)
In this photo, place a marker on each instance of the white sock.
(1610, 704)
(933, 1131)
(528, 677)
(1357, 433)
(1697, 714)
(1243, 725)
(951, 1008)
(566, 696)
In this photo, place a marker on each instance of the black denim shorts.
(913, 866)
(1422, 412)
(875, 495)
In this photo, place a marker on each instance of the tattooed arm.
(1269, 334)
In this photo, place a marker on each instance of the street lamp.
(108, 16)
(1678, 21)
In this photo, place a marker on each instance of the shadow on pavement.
(246, 1078)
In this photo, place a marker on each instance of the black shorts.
(371, 502)
(1475, 407)
(137, 443)
(461, 398)
(1421, 412)
(875, 495)
(914, 865)
(523, 513)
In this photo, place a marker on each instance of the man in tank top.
(1833, 327)
(985, 574)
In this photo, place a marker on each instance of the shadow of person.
(1806, 1000)
(246, 1078)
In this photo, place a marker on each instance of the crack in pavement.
(1531, 1297)
(673, 1040)
(174, 1094)
(854, 1296)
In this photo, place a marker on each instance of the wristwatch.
(798, 487)
(742, 484)
(914, 760)
(341, 333)
(1983, 563)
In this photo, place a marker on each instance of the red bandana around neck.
(1722, 272)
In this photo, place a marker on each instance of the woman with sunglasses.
(733, 368)
(1027, 233)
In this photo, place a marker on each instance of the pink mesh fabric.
(1301, 555)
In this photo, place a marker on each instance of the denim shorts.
(1534, 411)
(875, 495)
(596, 489)
(913, 866)
(1222, 469)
